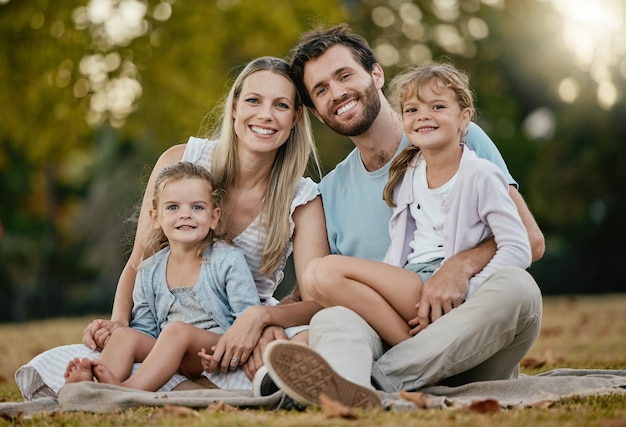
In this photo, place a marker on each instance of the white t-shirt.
(427, 243)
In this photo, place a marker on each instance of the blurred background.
(93, 91)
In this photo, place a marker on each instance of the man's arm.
(535, 236)
(447, 288)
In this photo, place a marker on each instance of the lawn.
(577, 332)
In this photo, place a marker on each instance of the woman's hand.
(97, 333)
(237, 344)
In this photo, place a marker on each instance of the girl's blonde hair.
(289, 167)
(176, 172)
(408, 84)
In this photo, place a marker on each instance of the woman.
(259, 156)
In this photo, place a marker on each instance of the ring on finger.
(235, 359)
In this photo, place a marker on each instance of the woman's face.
(265, 112)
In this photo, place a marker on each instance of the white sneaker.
(303, 375)
(262, 384)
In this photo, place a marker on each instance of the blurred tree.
(558, 120)
(41, 129)
(97, 89)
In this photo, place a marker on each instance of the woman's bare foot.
(104, 375)
(79, 370)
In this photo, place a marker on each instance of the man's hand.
(445, 290)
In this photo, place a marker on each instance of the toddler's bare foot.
(104, 375)
(78, 370)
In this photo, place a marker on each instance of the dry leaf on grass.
(334, 409)
(7, 417)
(543, 404)
(179, 411)
(221, 407)
(551, 331)
(532, 363)
(552, 357)
(548, 357)
(422, 400)
(487, 406)
(616, 422)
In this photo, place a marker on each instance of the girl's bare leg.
(125, 347)
(175, 350)
(384, 295)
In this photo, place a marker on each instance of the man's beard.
(371, 107)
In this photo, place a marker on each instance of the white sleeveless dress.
(43, 375)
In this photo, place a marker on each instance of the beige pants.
(483, 339)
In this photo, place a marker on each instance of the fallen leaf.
(552, 357)
(7, 417)
(532, 363)
(179, 411)
(616, 422)
(543, 404)
(221, 407)
(551, 331)
(422, 400)
(487, 406)
(335, 409)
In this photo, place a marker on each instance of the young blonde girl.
(185, 296)
(445, 199)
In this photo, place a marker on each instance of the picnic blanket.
(525, 391)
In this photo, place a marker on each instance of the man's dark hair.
(316, 42)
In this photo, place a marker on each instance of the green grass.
(577, 332)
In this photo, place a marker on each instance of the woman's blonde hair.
(408, 85)
(289, 166)
(176, 172)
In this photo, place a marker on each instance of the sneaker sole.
(303, 374)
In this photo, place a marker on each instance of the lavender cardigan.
(477, 207)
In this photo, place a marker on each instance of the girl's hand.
(205, 359)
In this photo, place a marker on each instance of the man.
(459, 341)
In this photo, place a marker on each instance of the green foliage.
(85, 116)
(75, 162)
(573, 177)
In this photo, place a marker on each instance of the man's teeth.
(263, 131)
(350, 105)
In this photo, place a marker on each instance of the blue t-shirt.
(357, 217)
